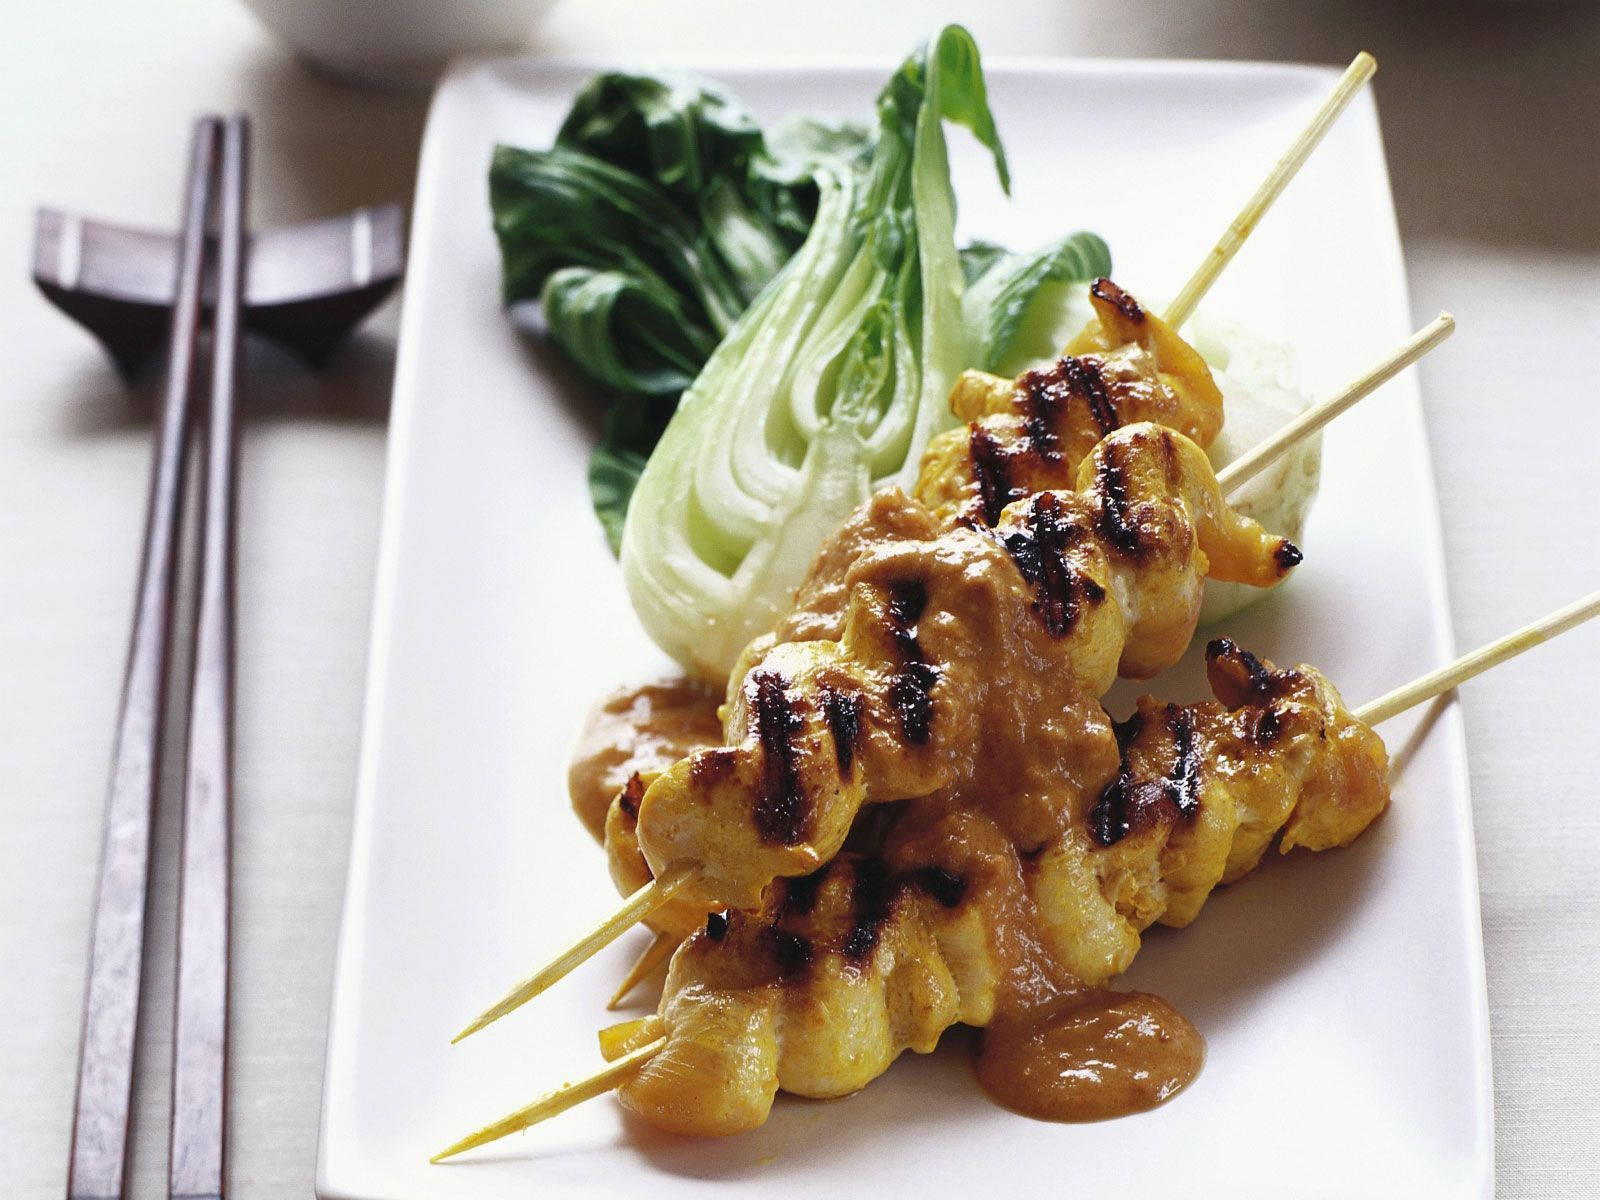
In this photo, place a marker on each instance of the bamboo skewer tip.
(1257, 458)
(657, 952)
(570, 1095)
(1360, 70)
(1436, 683)
(637, 906)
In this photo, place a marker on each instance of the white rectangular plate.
(1341, 995)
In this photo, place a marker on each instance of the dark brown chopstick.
(196, 1167)
(99, 1155)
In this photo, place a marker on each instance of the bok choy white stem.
(828, 386)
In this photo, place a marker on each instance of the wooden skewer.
(567, 1096)
(1356, 74)
(1381, 709)
(1464, 668)
(1250, 464)
(656, 953)
(643, 902)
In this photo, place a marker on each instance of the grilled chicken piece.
(935, 673)
(1203, 791)
(952, 652)
(680, 915)
(631, 737)
(1030, 434)
(823, 597)
(818, 991)
(822, 988)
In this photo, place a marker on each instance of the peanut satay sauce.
(1054, 1048)
(1086, 1054)
(642, 729)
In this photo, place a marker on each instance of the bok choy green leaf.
(828, 386)
(1017, 306)
(660, 213)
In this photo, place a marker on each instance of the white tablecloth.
(1492, 115)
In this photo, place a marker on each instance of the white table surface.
(1493, 121)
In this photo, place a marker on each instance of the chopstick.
(99, 1155)
(196, 1166)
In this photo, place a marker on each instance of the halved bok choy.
(828, 387)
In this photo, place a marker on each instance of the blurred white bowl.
(396, 43)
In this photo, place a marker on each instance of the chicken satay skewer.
(1230, 478)
(1356, 74)
(666, 885)
(617, 1073)
(966, 472)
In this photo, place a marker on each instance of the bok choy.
(830, 384)
(643, 234)
(1020, 309)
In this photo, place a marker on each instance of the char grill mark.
(873, 890)
(1044, 398)
(800, 892)
(1104, 289)
(1264, 727)
(1128, 803)
(708, 766)
(632, 792)
(1258, 680)
(1184, 781)
(870, 902)
(843, 711)
(1108, 819)
(1116, 522)
(1040, 551)
(1048, 394)
(781, 811)
(991, 467)
(946, 888)
(910, 692)
(1088, 382)
(790, 951)
(911, 688)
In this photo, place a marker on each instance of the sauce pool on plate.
(1089, 1055)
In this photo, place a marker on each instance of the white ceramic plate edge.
(1454, 730)
(348, 947)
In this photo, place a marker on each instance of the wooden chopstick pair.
(212, 251)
